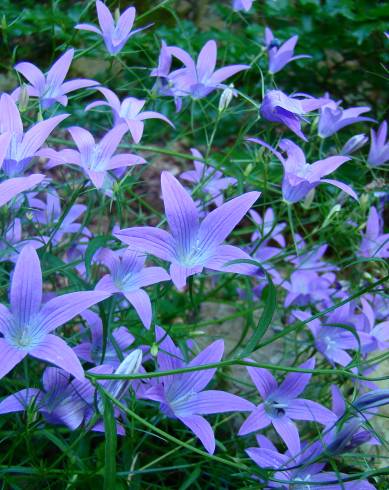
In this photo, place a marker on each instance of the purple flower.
(128, 275)
(311, 258)
(379, 146)
(301, 177)
(267, 228)
(374, 243)
(115, 36)
(12, 241)
(12, 187)
(27, 326)
(331, 341)
(192, 245)
(182, 396)
(354, 143)
(279, 56)
(372, 399)
(244, 5)
(195, 79)
(299, 469)
(95, 159)
(281, 406)
(306, 286)
(93, 351)
(374, 336)
(213, 181)
(333, 117)
(289, 110)
(22, 147)
(51, 88)
(128, 112)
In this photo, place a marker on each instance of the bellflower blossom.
(307, 286)
(214, 182)
(192, 245)
(374, 335)
(280, 56)
(374, 242)
(128, 112)
(299, 471)
(195, 79)
(12, 242)
(92, 351)
(128, 275)
(267, 227)
(281, 405)
(115, 35)
(244, 5)
(333, 117)
(289, 110)
(182, 396)
(51, 88)
(311, 257)
(10, 188)
(299, 176)
(27, 326)
(95, 159)
(23, 146)
(379, 146)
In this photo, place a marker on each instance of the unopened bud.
(333, 211)
(354, 143)
(375, 398)
(309, 198)
(117, 15)
(154, 350)
(23, 98)
(226, 97)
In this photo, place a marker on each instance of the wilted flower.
(51, 88)
(114, 35)
(27, 325)
(182, 396)
(333, 117)
(128, 275)
(191, 245)
(128, 112)
(301, 177)
(289, 110)
(281, 405)
(279, 56)
(379, 147)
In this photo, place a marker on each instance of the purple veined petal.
(268, 147)
(381, 331)
(169, 356)
(151, 275)
(106, 284)
(31, 73)
(37, 135)
(83, 139)
(110, 141)
(338, 402)
(69, 412)
(76, 84)
(295, 383)
(97, 178)
(184, 57)
(218, 224)
(301, 409)
(26, 286)
(179, 274)
(288, 432)
(226, 253)
(5, 140)
(214, 401)
(368, 311)
(296, 157)
(57, 73)
(202, 429)
(123, 337)
(190, 176)
(291, 120)
(63, 308)
(263, 380)
(268, 458)
(125, 160)
(149, 240)
(154, 115)
(141, 302)
(84, 351)
(373, 224)
(5, 318)
(328, 165)
(197, 381)
(56, 351)
(181, 213)
(10, 357)
(88, 27)
(10, 116)
(206, 62)
(265, 443)
(97, 103)
(12, 187)
(136, 129)
(228, 71)
(106, 21)
(124, 26)
(342, 186)
(55, 380)
(20, 401)
(258, 419)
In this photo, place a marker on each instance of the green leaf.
(93, 245)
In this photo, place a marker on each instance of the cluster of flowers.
(195, 241)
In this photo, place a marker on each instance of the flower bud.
(354, 143)
(226, 97)
(373, 399)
